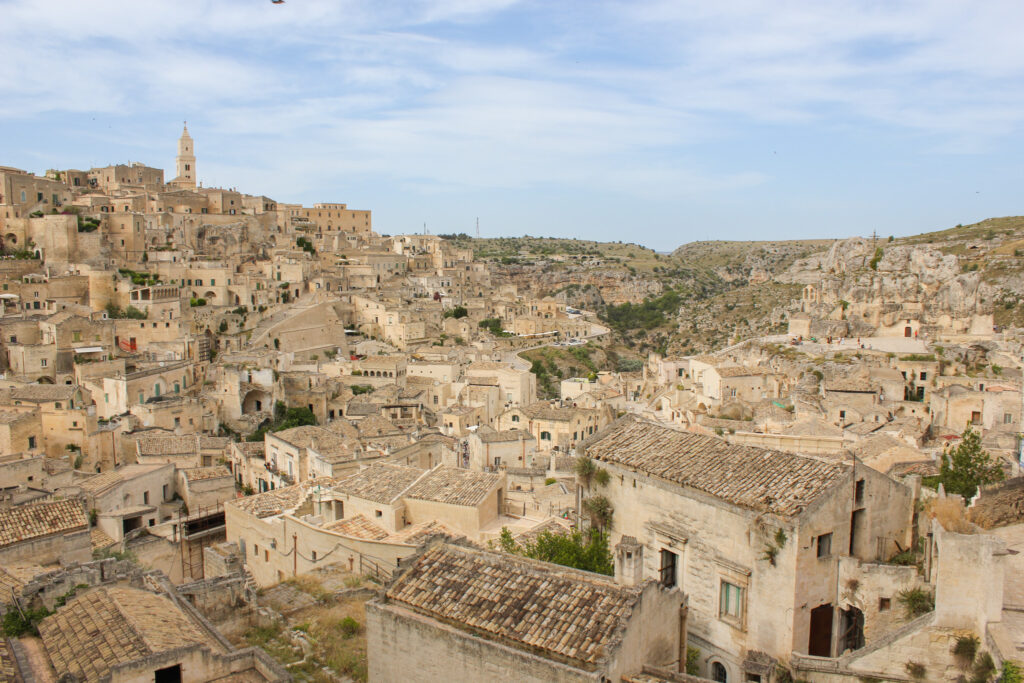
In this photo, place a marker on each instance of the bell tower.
(185, 162)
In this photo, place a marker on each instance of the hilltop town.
(245, 440)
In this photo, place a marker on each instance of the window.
(177, 422)
(842, 414)
(266, 556)
(145, 497)
(165, 492)
(731, 601)
(545, 436)
(256, 548)
(43, 362)
(858, 491)
(314, 556)
(515, 418)
(171, 674)
(1007, 418)
(57, 405)
(884, 604)
(667, 571)
(824, 545)
(923, 376)
(31, 442)
(378, 513)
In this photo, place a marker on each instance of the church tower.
(186, 161)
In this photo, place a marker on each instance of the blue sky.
(650, 122)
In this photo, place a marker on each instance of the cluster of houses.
(235, 392)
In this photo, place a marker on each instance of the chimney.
(629, 561)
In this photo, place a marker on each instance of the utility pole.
(295, 553)
(478, 227)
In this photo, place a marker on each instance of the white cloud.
(438, 95)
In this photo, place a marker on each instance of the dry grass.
(310, 585)
(951, 514)
(338, 634)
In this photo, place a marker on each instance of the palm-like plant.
(585, 470)
(600, 510)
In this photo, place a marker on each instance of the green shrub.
(349, 627)
(915, 602)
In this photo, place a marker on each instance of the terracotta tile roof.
(362, 408)
(322, 440)
(380, 482)
(358, 526)
(202, 473)
(112, 625)
(44, 392)
(375, 425)
(558, 527)
(492, 436)
(102, 483)
(749, 477)
(454, 486)
(279, 501)
(168, 444)
(523, 603)
(415, 534)
(26, 522)
(99, 539)
(544, 411)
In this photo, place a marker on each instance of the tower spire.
(185, 162)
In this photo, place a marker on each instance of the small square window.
(824, 545)
(884, 604)
(379, 513)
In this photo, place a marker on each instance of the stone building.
(126, 634)
(44, 533)
(755, 537)
(461, 613)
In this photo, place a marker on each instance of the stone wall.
(405, 646)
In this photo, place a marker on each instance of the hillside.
(705, 295)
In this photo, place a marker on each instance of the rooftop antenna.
(478, 227)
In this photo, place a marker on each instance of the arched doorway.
(718, 672)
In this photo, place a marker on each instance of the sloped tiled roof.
(414, 534)
(523, 603)
(112, 625)
(44, 392)
(544, 411)
(492, 436)
(26, 522)
(454, 486)
(380, 482)
(749, 477)
(278, 501)
(358, 526)
(202, 473)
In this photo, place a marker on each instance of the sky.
(658, 122)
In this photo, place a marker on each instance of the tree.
(600, 510)
(968, 466)
(587, 551)
(585, 469)
(457, 312)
